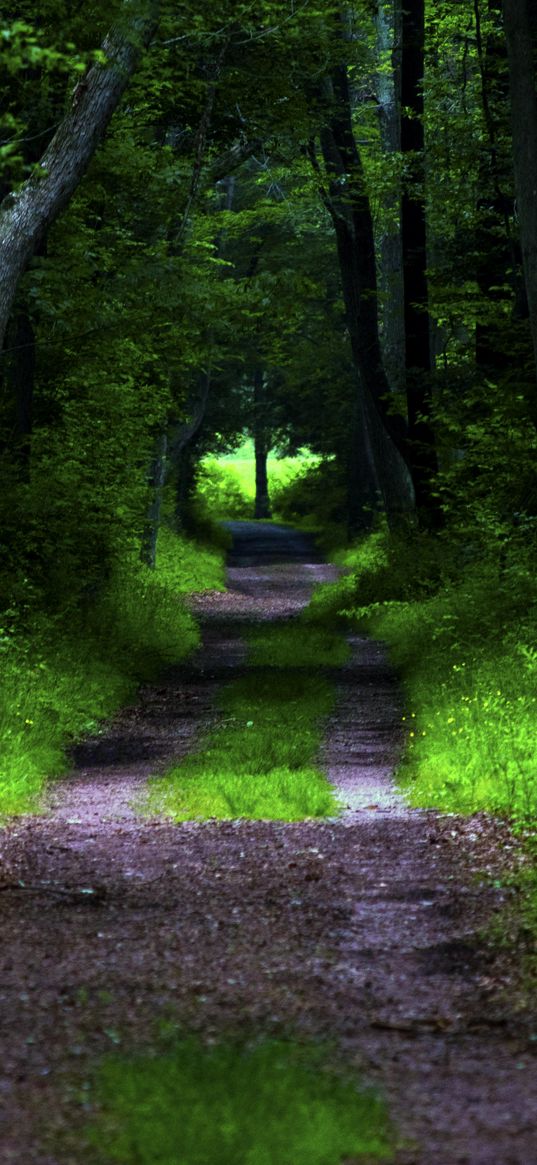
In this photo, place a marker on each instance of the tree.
(521, 36)
(418, 363)
(27, 214)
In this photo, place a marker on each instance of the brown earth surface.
(367, 929)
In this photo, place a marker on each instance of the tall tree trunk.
(390, 251)
(418, 363)
(27, 214)
(261, 446)
(378, 462)
(182, 441)
(520, 23)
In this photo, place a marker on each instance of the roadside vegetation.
(463, 642)
(60, 674)
(225, 486)
(261, 760)
(272, 1102)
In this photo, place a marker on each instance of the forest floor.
(367, 929)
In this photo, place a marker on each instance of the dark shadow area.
(261, 543)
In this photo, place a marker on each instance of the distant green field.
(280, 469)
(227, 483)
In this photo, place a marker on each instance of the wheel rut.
(364, 929)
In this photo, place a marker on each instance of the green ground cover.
(462, 641)
(272, 1104)
(259, 762)
(60, 676)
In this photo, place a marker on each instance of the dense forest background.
(312, 223)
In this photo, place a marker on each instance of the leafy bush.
(314, 497)
(219, 492)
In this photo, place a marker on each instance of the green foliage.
(462, 638)
(271, 1102)
(63, 673)
(220, 492)
(315, 498)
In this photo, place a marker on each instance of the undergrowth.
(61, 674)
(225, 486)
(275, 1102)
(260, 761)
(461, 634)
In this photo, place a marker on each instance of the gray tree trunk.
(521, 34)
(27, 214)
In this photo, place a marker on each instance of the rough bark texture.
(521, 36)
(26, 215)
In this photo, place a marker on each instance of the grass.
(464, 648)
(271, 1104)
(259, 763)
(59, 678)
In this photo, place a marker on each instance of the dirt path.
(363, 929)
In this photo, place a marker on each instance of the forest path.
(362, 929)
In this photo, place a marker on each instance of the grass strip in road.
(274, 1102)
(260, 762)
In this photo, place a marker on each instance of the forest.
(302, 235)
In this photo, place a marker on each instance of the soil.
(367, 929)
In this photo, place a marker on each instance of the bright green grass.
(226, 485)
(259, 762)
(471, 719)
(59, 679)
(468, 665)
(273, 1104)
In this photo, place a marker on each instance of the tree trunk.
(27, 214)
(390, 251)
(521, 35)
(261, 447)
(378, 465)
(418, 364)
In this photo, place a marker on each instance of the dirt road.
(364, 929)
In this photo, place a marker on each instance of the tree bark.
(261, 447)
(418, 362)
(27, 214)
(378, 468)
(521, 35)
